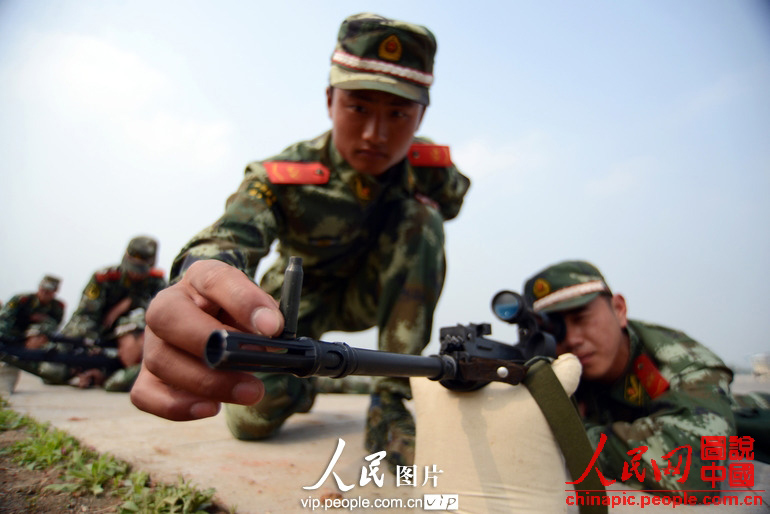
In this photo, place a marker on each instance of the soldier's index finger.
(233, 292)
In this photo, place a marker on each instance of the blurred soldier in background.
(111, 316)
(28, 320)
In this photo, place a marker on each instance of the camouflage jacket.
(24, 315)
(317, 207)
(104, 290)
(687, 398)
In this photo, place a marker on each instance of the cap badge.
(390, 48)
(541, 288)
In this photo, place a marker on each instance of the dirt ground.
(21, 489)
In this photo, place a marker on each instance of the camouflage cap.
(50, 283)
(140, 255)
(563, 286)
(374, 52)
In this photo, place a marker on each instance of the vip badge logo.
(441, 502)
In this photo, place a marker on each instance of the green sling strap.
(568, 430)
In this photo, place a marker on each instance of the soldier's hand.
(425, 200)
(174, 382)
(90, 378)
(116, 311)
(35, 342)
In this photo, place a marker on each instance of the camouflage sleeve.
(86, 320)
(697, 404)
(444, 185)
(51, 321)
(8, 314)
(158, 285)
(244, 233)
(134, 319)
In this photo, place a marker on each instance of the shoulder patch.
(429, 155)
(287, 172)
(92, 291)
(111, 275)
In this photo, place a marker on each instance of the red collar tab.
(111, 275)
(286, 172)
(648, 374)
(429, 155)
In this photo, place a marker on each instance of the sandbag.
(493, 446)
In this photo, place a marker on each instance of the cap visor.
(351, 80)
(572, 303)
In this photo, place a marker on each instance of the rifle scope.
(512, 308)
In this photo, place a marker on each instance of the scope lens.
(506, 305)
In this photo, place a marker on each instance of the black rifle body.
(467, 359)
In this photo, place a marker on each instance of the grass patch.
(83, 471)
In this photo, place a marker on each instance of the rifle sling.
(568, 430)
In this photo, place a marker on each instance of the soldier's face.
(137, 277)
(372, 130)
(595, 334)
(45, 295)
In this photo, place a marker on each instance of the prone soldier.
(644, 387)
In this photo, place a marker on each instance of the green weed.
(84, 471)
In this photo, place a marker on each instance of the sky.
(633, 134)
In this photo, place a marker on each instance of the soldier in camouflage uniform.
(112, 314)
(29, 320)
(363, 205)
(642, 384)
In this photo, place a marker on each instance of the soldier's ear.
(422, 115)
(329, 95)
(618, 303)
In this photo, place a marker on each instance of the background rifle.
(466, 361)
(81, 353)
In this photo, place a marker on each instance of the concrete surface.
(250, 477)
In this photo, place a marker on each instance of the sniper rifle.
(466, 361)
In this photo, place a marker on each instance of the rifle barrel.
(305, 357)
